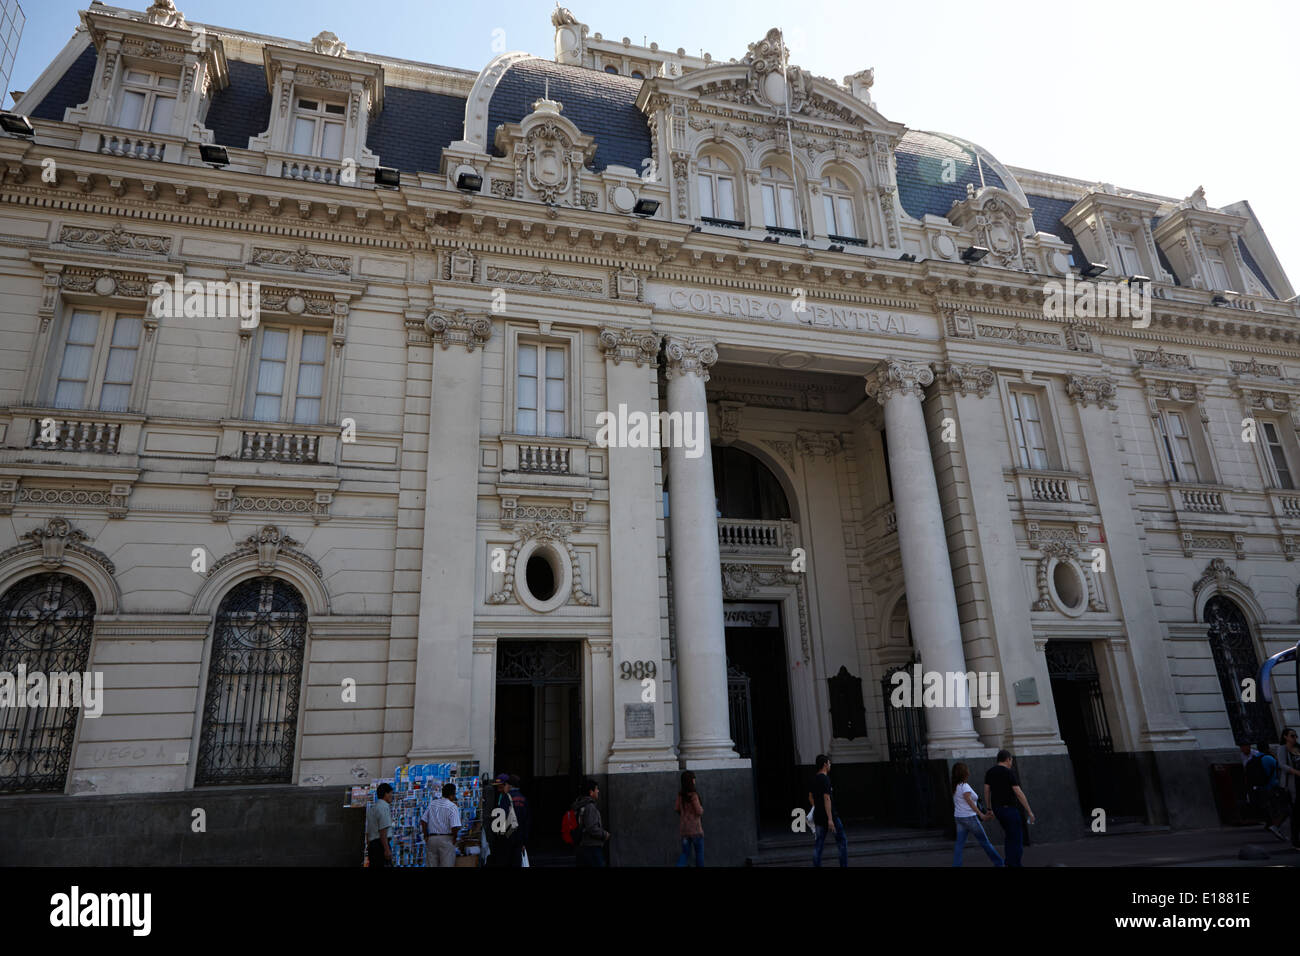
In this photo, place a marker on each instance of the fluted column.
(697, 578)
(927, 574)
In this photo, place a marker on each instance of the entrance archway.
(1235, 660)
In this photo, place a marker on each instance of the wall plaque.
(639, 721)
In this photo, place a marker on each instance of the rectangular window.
(147, 101)
(706, 197)
(1218, 277)
(726, 202)
(98, 363)
(1177, 443)
(1031, 442)
(290, 355)
(1277, 455)
(318, 129)
(1129, 264)
(540, 389)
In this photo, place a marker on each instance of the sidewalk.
(1212, 847)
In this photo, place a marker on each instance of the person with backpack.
(966, 814)
(690, 827)
(591, 837)
(1266, 793)
(1291, 780)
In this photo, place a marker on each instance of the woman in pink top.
(690, 810)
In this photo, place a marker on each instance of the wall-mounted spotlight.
(387, 176)
(836, 248)
(771, 239)
(214, 156)
(1219, 299)
(16, 124)
(470, 182)
(696, 229)
(1094, 269)
(1138, 280)
(973, 254)
(908, 257)
(646, 207)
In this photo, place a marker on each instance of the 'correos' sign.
(767, 309)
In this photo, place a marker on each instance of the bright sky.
(1157, 96)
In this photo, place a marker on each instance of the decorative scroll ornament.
(1062, 550)
(458, 329)
(328, 44)
(555, 533)
(690, 356)
(812, 444)
(1089, 389)
(54, 541)
(639, 345)
(269, 545)
(1217, 573)
(965, 379)
(164, 13)
(892, 378)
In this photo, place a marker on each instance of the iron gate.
(1235, 660)
(910, 786)
(46, 625)
(741, 717)
(250, 714)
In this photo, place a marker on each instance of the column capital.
(894, 377)
(458, 328)
(687, 354)
(639, 345)
(1086, 389)
(964, 378)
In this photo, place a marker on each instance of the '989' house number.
(637, 670)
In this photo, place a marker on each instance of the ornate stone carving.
(268, 544)
(740, 581)
(458, 329)
(811, 444)
(625, 284)
(546, 280)
(328, 44)
(689, 355)
(997, 221)
(54, 541)
(892, 378)
(105, 282)
(638, 345)
(164, 13)
(557, 534)
(965, 378)
(783, 448)
(1162, 359)
(1020, 335)
(300, 260)
(461, 265)
(1059, 545)
(115, 239)
(729, 421)
(1089, 389)
(1253, 367)
(1217, 573)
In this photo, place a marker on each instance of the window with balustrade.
(716, 181)
(839, 204)
(543, 391)
(1183, 445)
(147, 100)
(1032, 432)
(780, 205)
(288, 375)
(1278, 443)
(318, 128)
(96, 360)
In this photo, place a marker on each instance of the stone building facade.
(377, 522)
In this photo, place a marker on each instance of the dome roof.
(935, 168)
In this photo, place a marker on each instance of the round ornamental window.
(1068, 589)
(543, 575)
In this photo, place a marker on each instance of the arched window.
(717, 190)
(46, 625)
(837, 198)
(745, 487)
(779, 208)
(250, 714)
(1235, 660)
(638, 75)
(611, 68)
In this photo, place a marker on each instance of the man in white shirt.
(379, 823)
(439, 823)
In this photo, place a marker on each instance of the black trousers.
(1295, 819)
(376, 849)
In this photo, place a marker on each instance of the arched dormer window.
(838, 203)
(780, 211)
(717, 191)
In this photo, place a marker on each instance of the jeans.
(841, 840)
(692, 841)
(970, 826)
(1009, 817)
(591, 856)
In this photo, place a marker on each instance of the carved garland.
(269, 545)
(1063, 551)
(549, 532)
(54, 541)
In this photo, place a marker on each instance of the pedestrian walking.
(966, 813)
(379, 824)
(439, 825)
(826, 817)
(1002, 795)
(690, 827)
(1266, 792)
(524, 814)
(1291, 773)
(592, 837)
(502, 825)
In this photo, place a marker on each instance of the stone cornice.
(634, 345)
(689, 355)
(892, 378)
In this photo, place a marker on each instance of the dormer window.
(837, 198)
(318, 129)
(1126, 252)
(777, 189)
(148, 100)
(1217, 269)
(717, 189)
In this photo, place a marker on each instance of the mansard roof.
(923, 159)
(602, 105)
(71, 89)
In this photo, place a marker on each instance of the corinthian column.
(927, 574)
(697, 576)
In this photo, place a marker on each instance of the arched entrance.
(250, 713)
(46, 627)
(1234, 661)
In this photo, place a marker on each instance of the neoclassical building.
(377, 524)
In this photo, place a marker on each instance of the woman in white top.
(966, 813)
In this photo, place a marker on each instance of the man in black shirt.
(1004, 797)
(825, 814)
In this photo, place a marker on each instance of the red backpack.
(569, 828)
